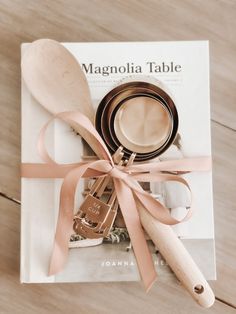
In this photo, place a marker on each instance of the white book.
(184, 68)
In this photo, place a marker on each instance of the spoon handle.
(86, 135)
(178, 259)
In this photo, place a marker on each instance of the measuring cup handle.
(178, 258)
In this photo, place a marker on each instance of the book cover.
(183, 67)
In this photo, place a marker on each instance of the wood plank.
(89, 21)
(80, 298)
(224, 173)
(101, 21)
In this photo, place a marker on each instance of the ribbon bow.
(128, 191)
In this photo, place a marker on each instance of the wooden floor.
(126, 20)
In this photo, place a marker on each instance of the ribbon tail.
(130, 213)
(60, 247)
(65, 218)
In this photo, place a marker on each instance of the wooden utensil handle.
(171, 248)
(178, 259)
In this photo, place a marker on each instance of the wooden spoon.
(56, 80)
(178, 258)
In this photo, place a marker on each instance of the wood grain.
(105, 20)
(24, 21)
(80, 298)
(224, 174)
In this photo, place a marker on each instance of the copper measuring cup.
(113, 101)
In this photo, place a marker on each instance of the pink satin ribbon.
(126, 186)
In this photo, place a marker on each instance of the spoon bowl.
(57, 82)
(55, 78)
